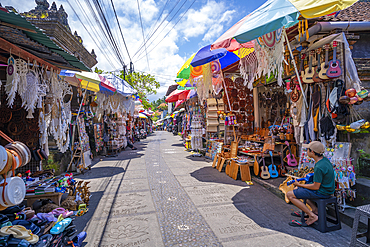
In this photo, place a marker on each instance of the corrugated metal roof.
(40, 37)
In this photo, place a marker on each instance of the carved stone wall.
(55, 23)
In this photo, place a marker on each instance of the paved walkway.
(159, 195)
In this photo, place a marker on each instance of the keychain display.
(230, 119)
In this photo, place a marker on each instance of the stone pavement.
(159, 195)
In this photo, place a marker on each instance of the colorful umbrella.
(141, 115)
(121, 85)
(184, 72)
(205, 55)
(177, 95)
(275, 14)
(192, 94)
(179, 102)
(229, 58)
(106, 86)
(87, 80)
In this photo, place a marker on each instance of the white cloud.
(203, 23)
(211, 16)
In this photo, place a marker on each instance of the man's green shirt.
(324, 174)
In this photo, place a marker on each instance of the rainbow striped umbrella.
(275, 14)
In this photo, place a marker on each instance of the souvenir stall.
(304, 89)
(35, 103)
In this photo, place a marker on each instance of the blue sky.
(203, 23)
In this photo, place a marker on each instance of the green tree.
(144, 84)
(98, 71)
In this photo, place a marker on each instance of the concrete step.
(346, 217)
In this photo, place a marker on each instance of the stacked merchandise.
(196, 132)
(98, 134)
(212, 116)
(221, 108)
(117, 133)
(84, 138)
(121, 125)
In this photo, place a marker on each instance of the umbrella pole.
(295, 68)
(228, 101)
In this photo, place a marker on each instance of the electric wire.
(115, 13)
(168, 23)
(150, 34)
(169, 31)
(98, 37)
(140, 48)
(101, 50)
(109, 32)
(103, 32)
(142, 30)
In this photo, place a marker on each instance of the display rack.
(98, 135)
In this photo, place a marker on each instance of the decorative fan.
(269, 39)
(242, 103)
(250, 118)
(6, 115)
(215, 67)
(278, 33)
(239, 82)
(196, 71)
(234, 93)
(16, 128)
(229, 82)
(241, 94)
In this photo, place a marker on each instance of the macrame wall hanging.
(267, 59)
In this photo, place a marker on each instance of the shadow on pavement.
(178, 145)
(83, 220)
(268, 211)
(198, 158)
(209, 174)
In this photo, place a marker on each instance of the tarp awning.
(121, 85)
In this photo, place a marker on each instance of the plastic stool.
(321, 224)
(361, 211)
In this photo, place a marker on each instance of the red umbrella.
(177, 95)
(179, 102)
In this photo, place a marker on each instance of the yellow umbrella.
(184, 72)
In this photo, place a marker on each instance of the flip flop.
(46, 216)
(67, 213)
(28, 225)
(23, 233)
(18, 242)
(4, 240)
(16, 216)
(60, 226)
(29, 212)
(298, 214)
(45, 240)
(12, 209)
(3, 219)
(77, 240)
(46, 228)
(70, 231)
(58, 211)
(296, 223)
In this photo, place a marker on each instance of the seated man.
(323, 185)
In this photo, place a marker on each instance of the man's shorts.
(303, 193)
